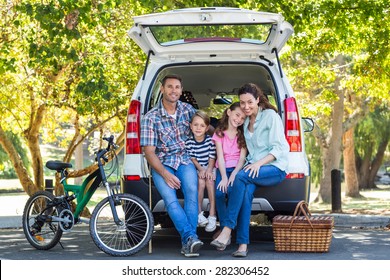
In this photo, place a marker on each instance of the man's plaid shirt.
(167, 134)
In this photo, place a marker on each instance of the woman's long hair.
(223, 125)
(255, 91)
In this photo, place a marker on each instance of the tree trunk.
(78, 158)
(377, 162)
(24, 178)
(32, 138)
(332, 154)
(368, 169)
(364, 168)
(351, 180)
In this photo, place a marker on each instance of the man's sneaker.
(202, 220)
(212, 224)
(191, 248)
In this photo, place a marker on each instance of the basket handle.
(301, 207)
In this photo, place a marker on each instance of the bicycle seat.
(57, 165)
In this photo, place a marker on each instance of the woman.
(266, 164)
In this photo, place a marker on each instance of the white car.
(215, 51)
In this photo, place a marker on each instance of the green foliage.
(72, 55)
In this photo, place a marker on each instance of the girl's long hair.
(255, 91)
(223, 125)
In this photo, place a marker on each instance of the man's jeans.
(185, 219)
(241, 196)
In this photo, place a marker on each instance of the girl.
(202, 152)
(231, 151)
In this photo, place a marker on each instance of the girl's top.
(267, 138)
(231, 151)
(201, 151)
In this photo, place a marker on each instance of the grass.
(372, 202)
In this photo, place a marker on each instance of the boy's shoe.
(191, 248)
(212, 224)
(202, 220)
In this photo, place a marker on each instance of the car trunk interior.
(207, 83)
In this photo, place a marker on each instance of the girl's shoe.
(211, 224)
(202, 220)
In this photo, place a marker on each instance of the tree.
(372, 141)
(340, 48)
(62, 61)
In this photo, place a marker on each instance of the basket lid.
(301, 221)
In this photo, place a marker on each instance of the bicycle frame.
(97, 178)
(82, 196)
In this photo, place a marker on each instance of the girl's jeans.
(221, 198)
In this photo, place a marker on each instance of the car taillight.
(295, 176)
(292, 125)
(133, 129)
(132, 177)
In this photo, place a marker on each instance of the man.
(164, 130)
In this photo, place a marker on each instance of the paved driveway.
(347, 244)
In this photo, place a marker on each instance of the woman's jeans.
(184, 218)
(241, 196)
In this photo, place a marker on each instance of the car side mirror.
(308, 124)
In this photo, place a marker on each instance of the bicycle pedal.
(39, 238)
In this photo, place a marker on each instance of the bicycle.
(120, 225)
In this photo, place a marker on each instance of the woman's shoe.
(240, 254)
(227, 244)
(219, 245)
(216, 234)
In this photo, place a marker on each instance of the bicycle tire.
(41, 235)
(127, 240)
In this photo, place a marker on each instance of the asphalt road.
(346, 244)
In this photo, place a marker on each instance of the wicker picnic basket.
(305, 233)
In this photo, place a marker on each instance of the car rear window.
(184, 34)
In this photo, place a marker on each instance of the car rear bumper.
(281, 198)
(285, 196)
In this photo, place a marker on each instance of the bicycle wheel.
(124, 240)
(40, 232)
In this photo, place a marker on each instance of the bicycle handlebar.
(102, 152)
